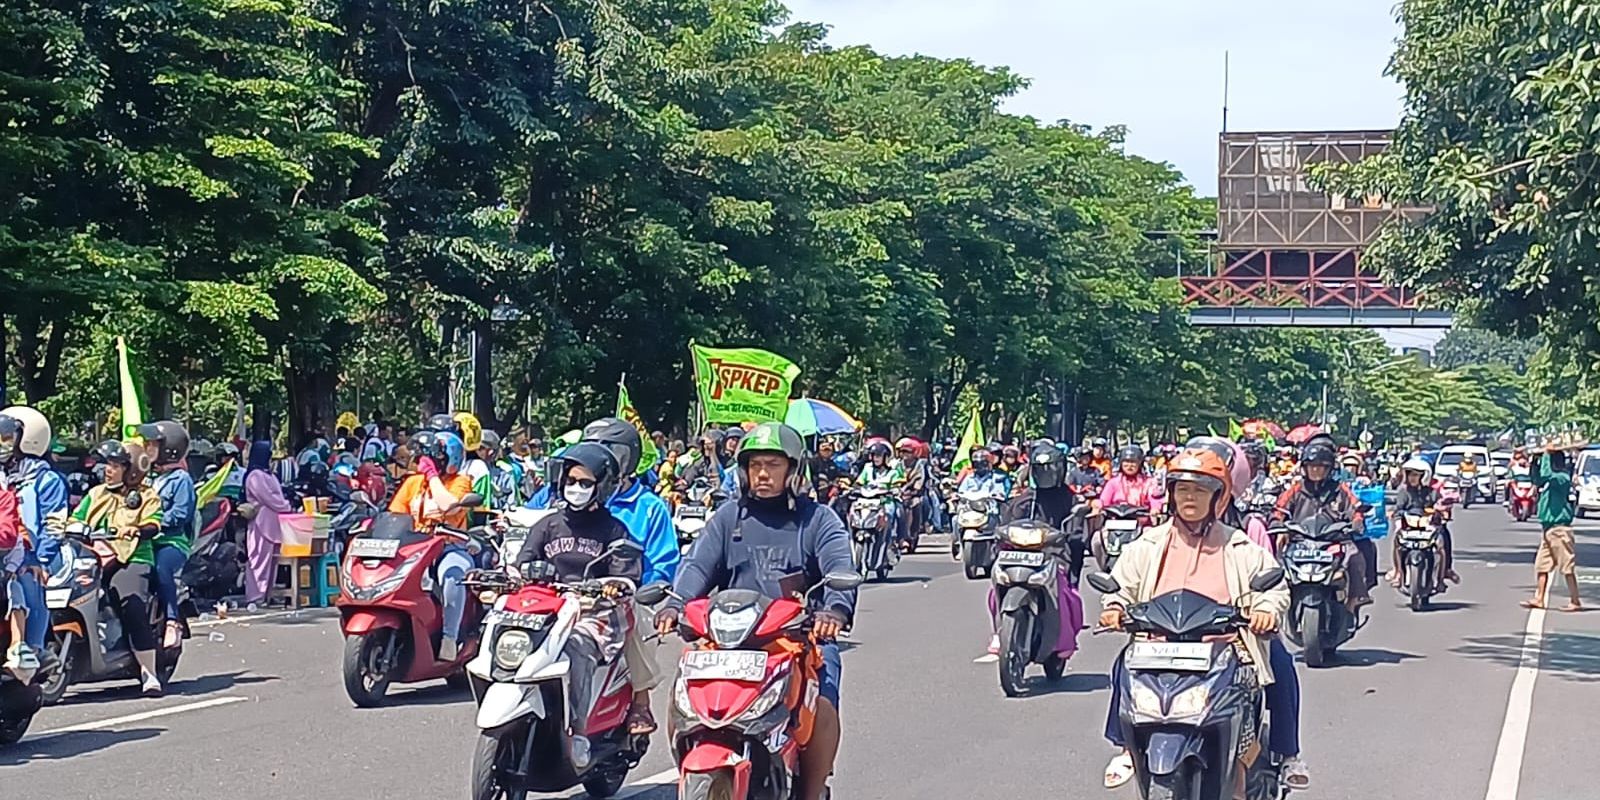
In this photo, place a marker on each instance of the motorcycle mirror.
(471, 500)
(841, 581)
(1104, 583)
(625, 547)
(651, 593)
(1267, 580)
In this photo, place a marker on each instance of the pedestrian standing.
(1557, 553)
(264, 501)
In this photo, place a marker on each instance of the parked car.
(1586, 481)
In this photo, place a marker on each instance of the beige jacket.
(1137, 568)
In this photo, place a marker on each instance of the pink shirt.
(1140, 491)
(1196, 565)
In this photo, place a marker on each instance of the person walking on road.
(1556, 550)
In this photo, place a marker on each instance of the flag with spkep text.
(742, 384)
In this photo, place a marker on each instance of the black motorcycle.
(1123, 523)
(1319, 619)
(1421, 554)
(1192, 710)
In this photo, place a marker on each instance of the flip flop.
(1529, 604)
(1119, 771)
(1570, 608)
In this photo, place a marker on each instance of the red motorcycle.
(745, 701)
(1523, 497)
(391, 619)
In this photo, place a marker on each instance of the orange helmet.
(1204, 468)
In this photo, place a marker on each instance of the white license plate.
(725, 665)
(374, 548)
(1311, 555)
(1121, 524)
(1020, 558)
(1181, 656)
(57, 598)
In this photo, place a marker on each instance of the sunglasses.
(583, 483)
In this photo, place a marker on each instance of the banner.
(211, 488)
(132, 404)
(647, 448)
(971, 437)
(742, 384)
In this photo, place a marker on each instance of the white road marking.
(1507, 772)
(144, 715)
(325, 613)
(986, 658)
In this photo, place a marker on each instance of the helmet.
(1318, 452)
(906, 443)
(455, 453)
(427, 443)
(471, 430)
(23, 430)
(1203, 468)
(1132, 452)
(1351, 458)
(1254, 452)
(592, 456)
(113, 450)
(442, 423)
(1222, 447)
(623, 439)
(491, 440)
(774, 437)
(79, 483)
(1239, 470)
(202, 447)
(1100, 441)
(1047, 466)
(1416, 464)
(980, 457)
(878, 449)
(1011, 450)
(228, 450)
(172, 441)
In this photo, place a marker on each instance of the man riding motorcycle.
(771, 534)
(432, 497)
(1318, 493)
(984, 478)
(914, 492)
(1050, 500)
(1198, 552)
(1416, 495)
(1099, 460)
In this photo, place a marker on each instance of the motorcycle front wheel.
(969, 561)
(55, 687)
(367, 672)
(707, 786)
(1180, 784)
(1016, 644)
(1311, 636)
(1419, 586)
(486, 757)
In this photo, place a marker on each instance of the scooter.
(1039, 612)
(745, 699)
(1420, 556)
(522, 680)
(1466, 489)
(872, 543)
(1524, 495)
(1319, 620)
(1191, 708)
(1123, 524)
(691, 515)
(977, 541)
(85, 630)
(390, 617)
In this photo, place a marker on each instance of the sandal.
(1295, 774)
(640, 721)
(1532, 604)
(1119, 771)
(1572, 608)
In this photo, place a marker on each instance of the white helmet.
(33, 434)
(1418, 464)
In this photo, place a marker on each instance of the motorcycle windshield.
(1184, 615)
(396, 526)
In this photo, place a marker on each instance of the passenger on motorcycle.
(1049, 499)
(432, 496)
(1198, 552)
(42, 503)
(772, 534)
(11, 599)
(122, 508)
(1419, 495)
(914, 492)
(1010, 462)
(167, 447)
(568, 541)
(1318, 493)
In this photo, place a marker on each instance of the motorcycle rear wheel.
(485, 758)
(12, 729)
(1016, 633)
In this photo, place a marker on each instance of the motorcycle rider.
(1520, 471)
(1049, 500)
(881, 472)
(1196, 551)
(709, 465)
(1099, 460)
(119, 507)
(42, 499)
(1084, 479)
(984, 479)
(432, 496)
(1418, 495)
(1318, 493)
(568, 541)
(167, 446)
(914, 492)
(1131, 485)
(772, 533)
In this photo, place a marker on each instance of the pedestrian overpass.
(1288, 254)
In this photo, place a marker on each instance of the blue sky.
(1155, 65)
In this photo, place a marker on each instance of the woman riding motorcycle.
(881, 473)
(167, 445)
(132, 515)
(1131, 485)
(433, 498)
(1418, 495)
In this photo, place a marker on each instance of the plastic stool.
(325, 580)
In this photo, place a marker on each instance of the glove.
(666, 620)
(426, 466)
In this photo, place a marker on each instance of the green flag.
(647, 447)
(970, 438)
(1235, 432)
(1270, 443)
(1211, 429)
(742, 384)
(211, 488)
(132, 403)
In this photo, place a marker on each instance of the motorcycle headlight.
(380, 588)
(1190, 702)
(766, 701)
(511, 647)
(1145, 700)
(730, 628)
(1025, 535)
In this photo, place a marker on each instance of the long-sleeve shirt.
(261, 489)
(42, 499)
(1332, 499)
(178, 509)
(1555, 495)
(758, 544)
(991, 484)
(1141, 490)
(649, 522)
(570, 540)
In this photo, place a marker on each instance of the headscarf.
(260, 456)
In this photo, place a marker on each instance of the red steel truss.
(1294, 278)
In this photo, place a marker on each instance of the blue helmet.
(455, 452)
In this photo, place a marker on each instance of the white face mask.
(577, 497)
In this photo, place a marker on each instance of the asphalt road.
(1434, 704)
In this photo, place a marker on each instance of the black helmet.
(112, 450)
(619, 435)
(172, 441)
(1047, 466)
(1254, 452)
(443, 423)
(1319, 452)
(773, 437)
(592, 456)
(1133, 453)
(428, 443)
(79, 483)
(880, 449)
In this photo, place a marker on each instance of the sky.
(1156, 66)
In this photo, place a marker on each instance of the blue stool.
(325, 580)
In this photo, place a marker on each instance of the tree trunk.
(311, 411)
(38, 370)
(439, 398)
(482, 375)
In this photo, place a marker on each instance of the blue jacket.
(540, 499)
(177, 493)
(41, 491)
(649, 521)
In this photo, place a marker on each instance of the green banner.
(742, 384)
(128, 387)
(970, 438)
(647, 447)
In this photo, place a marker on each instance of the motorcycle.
(521, 684)
(744, 702)
(1191, 708)
(1123, 524)
(1319, 620)
(871, 542)
(85, 629)
(388, 612)
(1420, 556)
(1466, 489)
(1524, 496)
(976, 541)
(691, 515)
(215, 569)
(20, 697)
(1039, 612)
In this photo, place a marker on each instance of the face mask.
(577, 497)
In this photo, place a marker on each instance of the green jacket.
(1555, 495)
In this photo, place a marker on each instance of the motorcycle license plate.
(692, 511)
(1180, 656)
(1121, 525)
(374, 548)
(1020, 558)
(725, 665)
(1311, 555)
(57, 598)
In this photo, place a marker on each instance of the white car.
(1449, 464)
(1586, 482)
